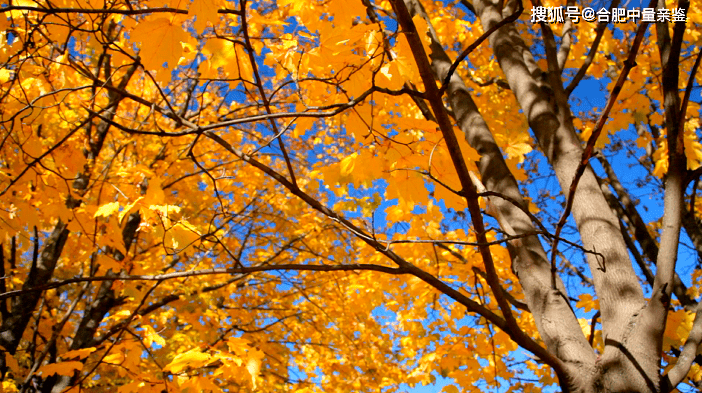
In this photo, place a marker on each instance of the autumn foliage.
(347, 196)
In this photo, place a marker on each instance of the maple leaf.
(61, 368)
(107, 209)
(78, 353)
(205, 12)
(161, 42)
(182, 235)
(5, 75)
(190, 359)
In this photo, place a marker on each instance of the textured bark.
(553, 315)
(649, 332)
(648, 244)
(623, 366)
(694, 231)
(632, 327)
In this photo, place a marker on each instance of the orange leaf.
(204, 11)
(160, 42)
(61, 368)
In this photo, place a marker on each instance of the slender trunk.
(553, 315)
(622, 366)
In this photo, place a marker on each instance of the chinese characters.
(616, 15)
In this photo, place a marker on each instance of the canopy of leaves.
(271, 195)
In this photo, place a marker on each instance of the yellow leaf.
(18, 14)
(165, 211)
(61, 368)
(5, 75)
(423, 28)
(136, 386)
(107, 209)
(160, 42)
(232, 58)
(450, 199)
(253, 365)
(587, 302)
(222, 51)
(154, 194)
(518, 150)
(128, 209)
(200, 384)
(189, 53)
(182, 235)
(470, 155)
(359, 122)
(518, 173)
(9, 386)
(204, 11)
(150, 336)
(347, 165)
(330, 174)
(408, 187)
(302, 125)
(114, 358)
(78, 353)
(391, 77)
(346, 11)
(396, 213)
(243, 65)
(112, 238)
(107, 262)
(238, 344)
(190, 359)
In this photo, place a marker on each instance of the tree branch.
(659, 303)
(679, 371)
(469, 189)
(631, 217)
(589, 148)
(553, 315)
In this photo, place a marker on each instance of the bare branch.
(516, 303)
(262, 92)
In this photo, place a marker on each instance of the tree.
(342, 196)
